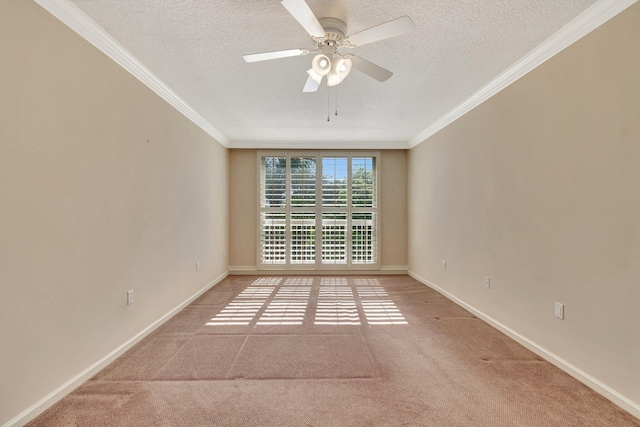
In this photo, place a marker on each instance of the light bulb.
(344, 67)
(341, 69)
(321, 64)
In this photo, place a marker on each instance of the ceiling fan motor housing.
(334, 28)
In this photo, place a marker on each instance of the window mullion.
(319, 210)
(287, 199)
(349, 210)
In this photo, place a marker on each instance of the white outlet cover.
(559, 310)
(487, 282)
(129, 297)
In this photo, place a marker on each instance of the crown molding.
(596, 15)
(70, 15)
(321, 145)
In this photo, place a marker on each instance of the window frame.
(319, 209)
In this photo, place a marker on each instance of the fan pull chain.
(328, 104)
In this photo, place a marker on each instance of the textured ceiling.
(195, 47)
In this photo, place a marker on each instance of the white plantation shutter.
(273, 239)
(303, 182)
(335, 203)
(303, 238)
(364, 208)
(334, 238)
(364, 242)
(318, 210)
(302, 217)
(334, 181)
(273, 212)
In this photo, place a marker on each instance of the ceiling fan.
(329, 36)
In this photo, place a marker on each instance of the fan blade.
(369, 68)
(255, 57)
(311, 85)
(389, 29)
(302, 13)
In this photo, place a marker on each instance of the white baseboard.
(590, 381)
(395, 269)
(43, 404)
(242, 269)
(239, 270)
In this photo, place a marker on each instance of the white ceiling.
(195, 47)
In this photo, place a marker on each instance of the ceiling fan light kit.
(328, 35)
(321, 65)
(335, 69)
(340, 69)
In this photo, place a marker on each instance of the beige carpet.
(330, 351)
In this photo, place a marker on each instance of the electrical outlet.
(487, 282)
(559, 310)
(197, 266)
(444, 265)
(129, 297)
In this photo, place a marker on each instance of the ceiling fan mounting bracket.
(335, 30)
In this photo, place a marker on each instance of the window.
(318, 210)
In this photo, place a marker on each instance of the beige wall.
(103, 188)
(393, 209)
(243, 208)
(538, 188)
(244, 199)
